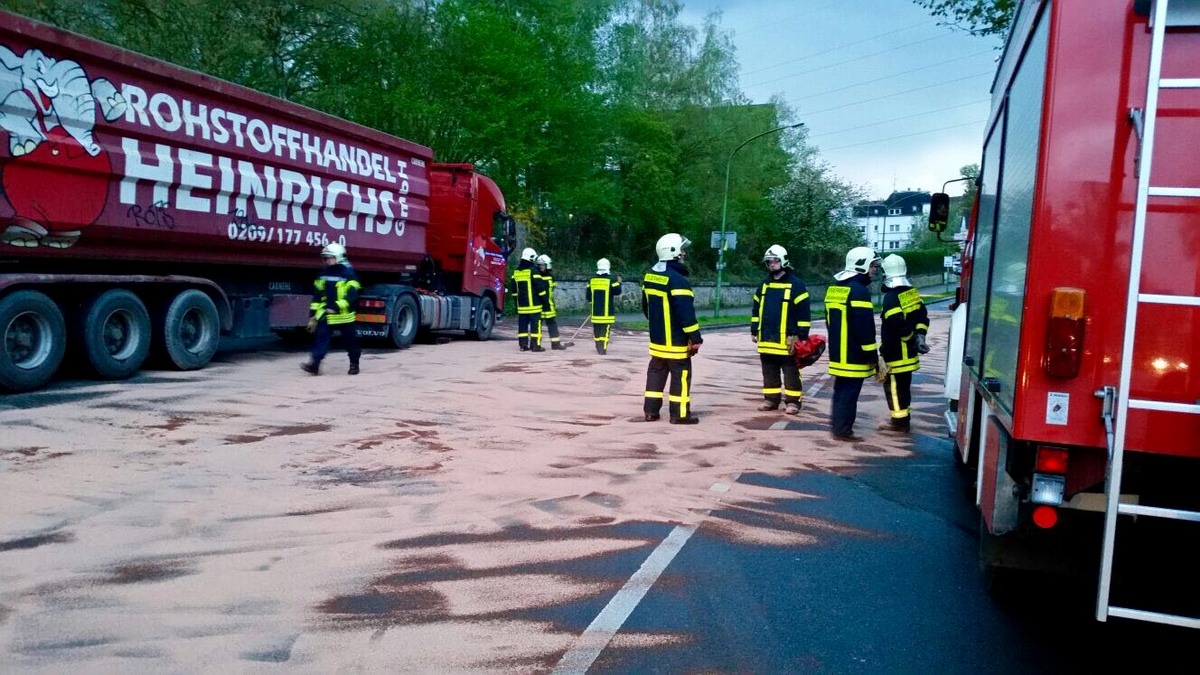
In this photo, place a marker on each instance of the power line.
(892, 76)
(892, 138)
(852, 60)
(892, 95)
(897, 119)
(823, 52)
(776, 22)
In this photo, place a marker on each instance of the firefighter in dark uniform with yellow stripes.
(530, 291)
(549, 313)
(334, 307)
(669, 304)
(780, 315)
(602, 288)
(853, 356)
(902, 329)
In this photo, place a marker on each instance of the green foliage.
(978, 17)
(926, 261)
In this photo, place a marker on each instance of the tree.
(816, 216)
(977, 17)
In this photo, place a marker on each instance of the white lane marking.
(595, 638)
(604, 627)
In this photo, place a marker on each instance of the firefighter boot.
(537, 348)
(353, 369)
(685, 420)
(557, 345)
(769, 405)
(601, 349)
(792, 409)
(311, 367)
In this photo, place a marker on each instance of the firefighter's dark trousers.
(552, 329)
(529, 330)
(602, 331)
(898, 390)
(680, 397)
(781, 379)
(845, 404)
(324, 334)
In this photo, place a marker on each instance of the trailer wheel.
(35, 339)
(405, 319)
(485, 320)
(189, 330)
(115, 331)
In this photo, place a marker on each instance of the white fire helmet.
(858, 261)
(335, 251)
(895, 271)
(603, 267)
(779, 252)
(670, 246)
(543, 259)
(529, 254)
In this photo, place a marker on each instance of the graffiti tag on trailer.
(51, 109)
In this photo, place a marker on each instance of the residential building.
(891, 224)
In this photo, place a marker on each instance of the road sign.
(730, 240)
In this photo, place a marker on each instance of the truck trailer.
(147, 210)
(1076, 398)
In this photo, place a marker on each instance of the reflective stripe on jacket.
(548, 311)
(601, 289)
(780, 308)
(335, 295)
(850, 319)
(903, 316)
(530, 291)
(669, 303)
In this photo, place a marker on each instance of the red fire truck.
(1076, 395)
(146, 207)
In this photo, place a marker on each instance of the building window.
(893, 212)
(876, 228)
(895, 228)
(893, 244)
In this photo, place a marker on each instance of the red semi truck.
(146, 208)
(1074, 378)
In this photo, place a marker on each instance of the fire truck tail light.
(1045, 517)
(1064, 339)
(1051, 460)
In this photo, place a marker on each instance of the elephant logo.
(56, 175)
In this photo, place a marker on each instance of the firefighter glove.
(312, 325)
(791, 344)
(922, 348)
(882, 370)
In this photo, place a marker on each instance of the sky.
(891, 99)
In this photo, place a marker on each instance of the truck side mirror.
(939, 212)
(504, 232)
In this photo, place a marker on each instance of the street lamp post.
(725, 209)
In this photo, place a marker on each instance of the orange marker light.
(1064, 337)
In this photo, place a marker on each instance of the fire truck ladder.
(1182, 14)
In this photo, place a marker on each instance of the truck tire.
(35, 339)
(405, 320)
(189, 330)
(485, 320)
(115, 333)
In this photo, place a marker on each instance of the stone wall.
(571, 295)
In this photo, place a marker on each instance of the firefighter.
(334, 307)
(601, 290)
(549, 314)
(669, 305)
(780, 316)
(903, 326)
(530, 293)
(850, 320)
